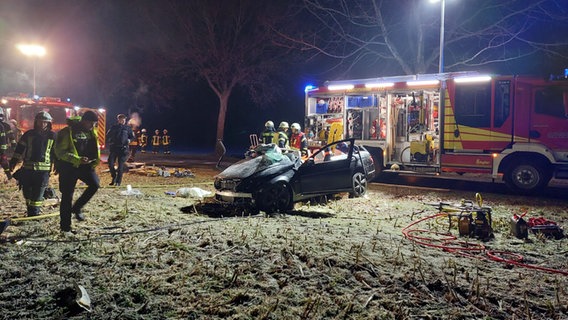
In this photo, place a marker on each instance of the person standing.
(143, 140)
(7, 140)
(118, 138)
(35, 149)
(166, 141)
(283, 141)
(298, 139)
(17, 131)
(78, 154)
(156, 141)
(269, 134)
(133, 145)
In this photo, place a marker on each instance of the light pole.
(442, 18)
(442, 103)
(34, 51)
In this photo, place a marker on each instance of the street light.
(442, 103)
(34, 51)
(443, 11)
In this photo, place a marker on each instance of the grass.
(142, 257)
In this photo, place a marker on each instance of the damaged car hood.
(263, 165)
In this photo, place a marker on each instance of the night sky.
(86, 38)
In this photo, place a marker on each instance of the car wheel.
(359, 185)
(274, 198)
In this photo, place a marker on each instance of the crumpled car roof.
(269, 160)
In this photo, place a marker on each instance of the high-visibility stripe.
(101, 128)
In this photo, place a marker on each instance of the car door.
(327, 173)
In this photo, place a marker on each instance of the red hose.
(449, 243)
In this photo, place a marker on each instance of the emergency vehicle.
(510, 127)
(23, 109)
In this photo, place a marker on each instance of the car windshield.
(262, 158)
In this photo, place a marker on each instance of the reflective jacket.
(7, 137)
(143, 139)
(35, 148)
(298, 141)
(283, 141)
(156, 140)
(65, 145)
(269, 136)
(166, 140)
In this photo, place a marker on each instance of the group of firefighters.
(160, 140)
(295, 139)
(73, 154)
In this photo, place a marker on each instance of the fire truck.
(514, 128)
(23, 109)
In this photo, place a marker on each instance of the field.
(150, 255)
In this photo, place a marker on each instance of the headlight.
(226, 184)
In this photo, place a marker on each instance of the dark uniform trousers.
(119, 156)
(34, 183)
(68, 176)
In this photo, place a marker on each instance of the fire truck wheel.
(274, 198)
(526, 177)
(359, 185)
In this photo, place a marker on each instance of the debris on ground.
(193, 192)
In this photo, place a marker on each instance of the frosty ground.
(157, 256)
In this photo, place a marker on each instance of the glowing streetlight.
(443, 11)
(34, 51)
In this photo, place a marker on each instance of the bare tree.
(391, 37)
(228, 43)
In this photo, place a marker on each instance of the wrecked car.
(271, 180)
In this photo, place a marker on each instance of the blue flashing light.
(566, 73)
(309, 87)
(68, 99)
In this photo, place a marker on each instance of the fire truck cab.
(23, 109)
(510, 127)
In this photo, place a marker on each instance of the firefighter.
(156, 141)
(133, 144)
(16, 129)
(143, 140)
(283, 141)
(269, 134)
(7, 140)
(78, 154)
(35, 149)
(166, 141)
(298, 139)
(118, 140)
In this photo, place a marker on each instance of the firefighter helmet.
(165, 131)
(143, 130)
(283, 125)
(157, 131)
(295, 127)
(121, 117)
(269, 124)
(43, 116)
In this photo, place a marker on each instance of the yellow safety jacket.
(65, 149)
